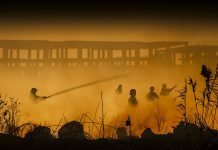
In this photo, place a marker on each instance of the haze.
(137, 24)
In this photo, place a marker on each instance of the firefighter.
(151, 95)
(119, 89)
(166, 91)
(132, 100)
(35, 97)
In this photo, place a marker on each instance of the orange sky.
(196, 33)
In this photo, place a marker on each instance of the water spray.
(35, 97)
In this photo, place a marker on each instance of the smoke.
(85, 100)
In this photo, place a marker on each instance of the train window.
(143, 52)
(9, 53)
(117, 53)
(33, 54)
(178, 58)
(24, 54)
(100, 54)
(95, 54)
(40, 54)
(132, 53)
(1, 52)
(84, 53)
(72, 53)
(14, 53)
(54, 53)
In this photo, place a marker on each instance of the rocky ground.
(71, 136)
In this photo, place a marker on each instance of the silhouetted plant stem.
(102, 115)
(182, 106)
(158, 118)
(95, 117)
(193, 87)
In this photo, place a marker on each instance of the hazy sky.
(113, 20)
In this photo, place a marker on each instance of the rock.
(72, 130)
(121, 133)
(40, 132)
(147, 134)
(188, 131)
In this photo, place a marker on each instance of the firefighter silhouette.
(151, 95)
(132, 100)
(119, 89)
(35, 97)
(166, 91)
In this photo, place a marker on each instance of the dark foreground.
(159, 142)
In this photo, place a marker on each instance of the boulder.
(147, 134)
(40, 132)
(72, 130)
(187, 132)
(121, 133)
